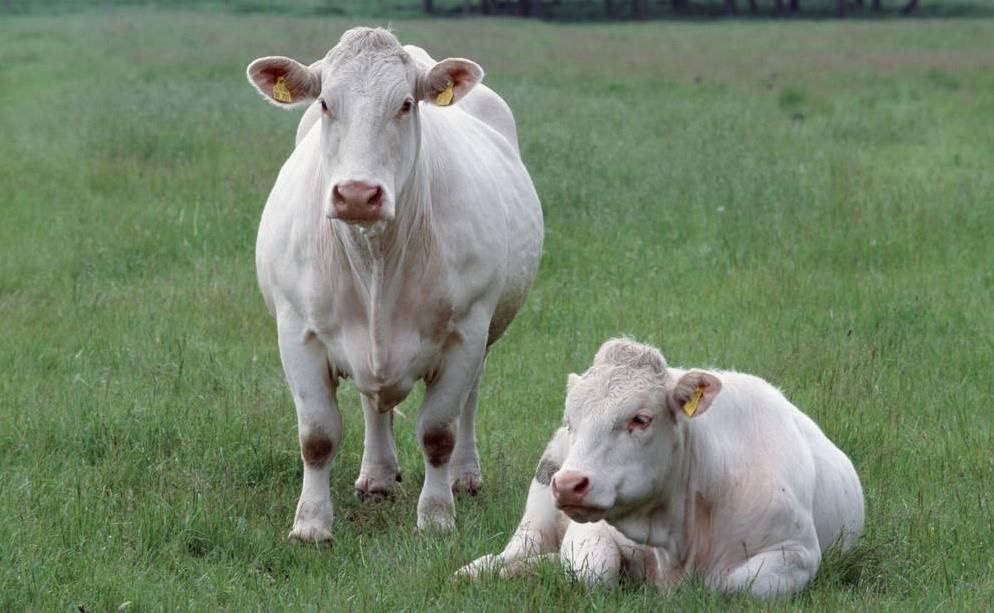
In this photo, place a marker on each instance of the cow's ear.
(448, 81)
(693, 393)
(571, 380)
(284, 82)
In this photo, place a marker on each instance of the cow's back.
(838, 496)
(769, 461)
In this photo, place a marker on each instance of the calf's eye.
(406, 107)
(640, 422)
(324, 105)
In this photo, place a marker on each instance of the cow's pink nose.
(356, 200)
(569, 487)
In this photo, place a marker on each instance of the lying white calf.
(715, 474)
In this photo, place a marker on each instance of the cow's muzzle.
(358, 201)
(583, 514)
(570, 488)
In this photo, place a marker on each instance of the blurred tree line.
(642, 9)
(555, 10)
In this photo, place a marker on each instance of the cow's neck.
(670, 515)
(696, 495)
(380, 260)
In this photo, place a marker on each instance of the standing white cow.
(713, 473)
(398, 243)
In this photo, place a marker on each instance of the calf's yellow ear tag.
(690, 407)
(445, 97)
(280, 91)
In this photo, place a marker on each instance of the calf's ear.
(693, 393)
(448, 81)
(284, 82)
(571, 380)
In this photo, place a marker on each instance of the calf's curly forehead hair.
(623, 351)
(622, 365)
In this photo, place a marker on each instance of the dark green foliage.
(557, 10)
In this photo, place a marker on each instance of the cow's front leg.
(537, 535)
(319, 426)
(436, 425)
(590, 553)
(540, 530)
(379, 469)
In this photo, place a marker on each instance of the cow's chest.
(387, 344)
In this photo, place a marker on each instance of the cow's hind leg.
(781, 571)
(465, 472)
(319, 427)
(379, 469)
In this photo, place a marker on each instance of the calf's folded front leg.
(540, 530)
(535, 539)
(590, 553)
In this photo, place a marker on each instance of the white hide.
(593, 552)
(418, 295)
(748, 493)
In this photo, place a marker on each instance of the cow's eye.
(640, 422)
(406, 107)
(324, 105)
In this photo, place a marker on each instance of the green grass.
(813, 203)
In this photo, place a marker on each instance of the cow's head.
(625, 417)
(368, 89)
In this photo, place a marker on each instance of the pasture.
(811, 202)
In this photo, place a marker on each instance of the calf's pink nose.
(356, 200)
(569, 487)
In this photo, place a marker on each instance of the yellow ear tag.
(690, 407)
(445, 97)
(280, 90)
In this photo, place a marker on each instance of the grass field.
(810, 202)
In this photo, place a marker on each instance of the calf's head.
(368, 89)
(625, 419)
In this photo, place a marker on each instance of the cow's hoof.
(488, 564)
(309, 532)
(312, 522)
(442, 524)
(469, 481)
(436, 517)
(369, 487)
